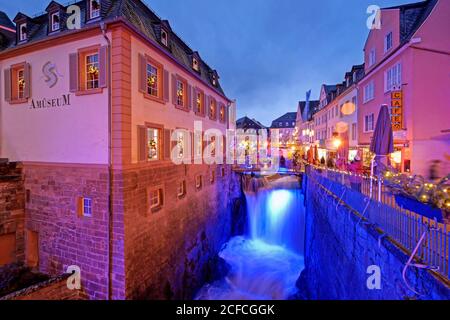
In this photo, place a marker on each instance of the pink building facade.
(90, 113)
(407, 63)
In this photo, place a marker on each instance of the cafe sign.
(397, 110)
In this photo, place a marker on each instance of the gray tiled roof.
(247, 123)
(412, 16)
(141, 17)
(313, 108)
(288, 118)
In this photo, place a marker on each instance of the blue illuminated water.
(266, 263)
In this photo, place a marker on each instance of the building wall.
(340, 249)
(350, 115)
(12, 215)
(55, 134)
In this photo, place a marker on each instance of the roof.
(313, 108)
(5, 21)
(140, 16)
(412, 16)
(285, 121)
(246, 123)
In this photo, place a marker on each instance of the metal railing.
(429, 239)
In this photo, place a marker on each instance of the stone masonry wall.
(12, 214)
(169, 254)
(65, 237)
(339, 250)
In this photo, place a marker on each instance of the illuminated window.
(164, 38)
(222, 113)
(199, 102)
(92, 71)
(94, 9)
(23, 32)
(214, 80)
(198, 182)
(180, 93)
(152, 80)
(21, 84)
(156, 198)
(195, 64)
(181, 144)
(55, 21)
(154, 144)
(181, 189)
(212, 109)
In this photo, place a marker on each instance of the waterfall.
(267, 261)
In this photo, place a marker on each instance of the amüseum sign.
(62, 101)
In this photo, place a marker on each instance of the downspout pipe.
(110, 171)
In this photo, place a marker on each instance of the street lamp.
(337, 143)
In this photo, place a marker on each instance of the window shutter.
(194, 100)
(166, 86)
(7, 85)
(191, 143)
(174, 89)
(142, 73)
(27, 77)
(207, 105)
(103, 64)
(166, 144)
(189, 97)
(142, 143)
(73, 70)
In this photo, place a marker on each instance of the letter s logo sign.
(50, 75)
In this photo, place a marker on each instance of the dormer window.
(195, 64)
(23, 32)
(214, 80)
(94, 9)
(164, 38)
(55, 21)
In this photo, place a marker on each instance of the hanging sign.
(397, 110)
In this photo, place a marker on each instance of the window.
(180, 93)
(369, 122)
(354, 131)
(195, 64)
(23, 32)
(198, 182)
(94, 9)
(181, 189)
(214, 80)
(21, 84)
(388, 42)
(152, 80)
(393, 78)
(156, 199)
(181, 144)
(222, 116)
(85, 207)
(55, 21)
(354, 102)
(212, 109)
(369, 91)
(223, 171)
(164, 38)
(154, 144)
(92, 71)
(199, 102)
(372, 57)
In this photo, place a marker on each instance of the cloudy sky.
(267, 52)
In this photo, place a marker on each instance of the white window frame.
(152, 70)
(55, 26)
(158, 143)
(393, 78)
(372, 57)
(199, 182)
(87, 207)
(369, 92)
(164, 40)
(21, 89)
(367, 117)
(388, 44)
(181, 189)
(94, 13)
(23, 35)
(156, 198)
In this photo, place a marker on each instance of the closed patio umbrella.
(382, 142)
(316, 153)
